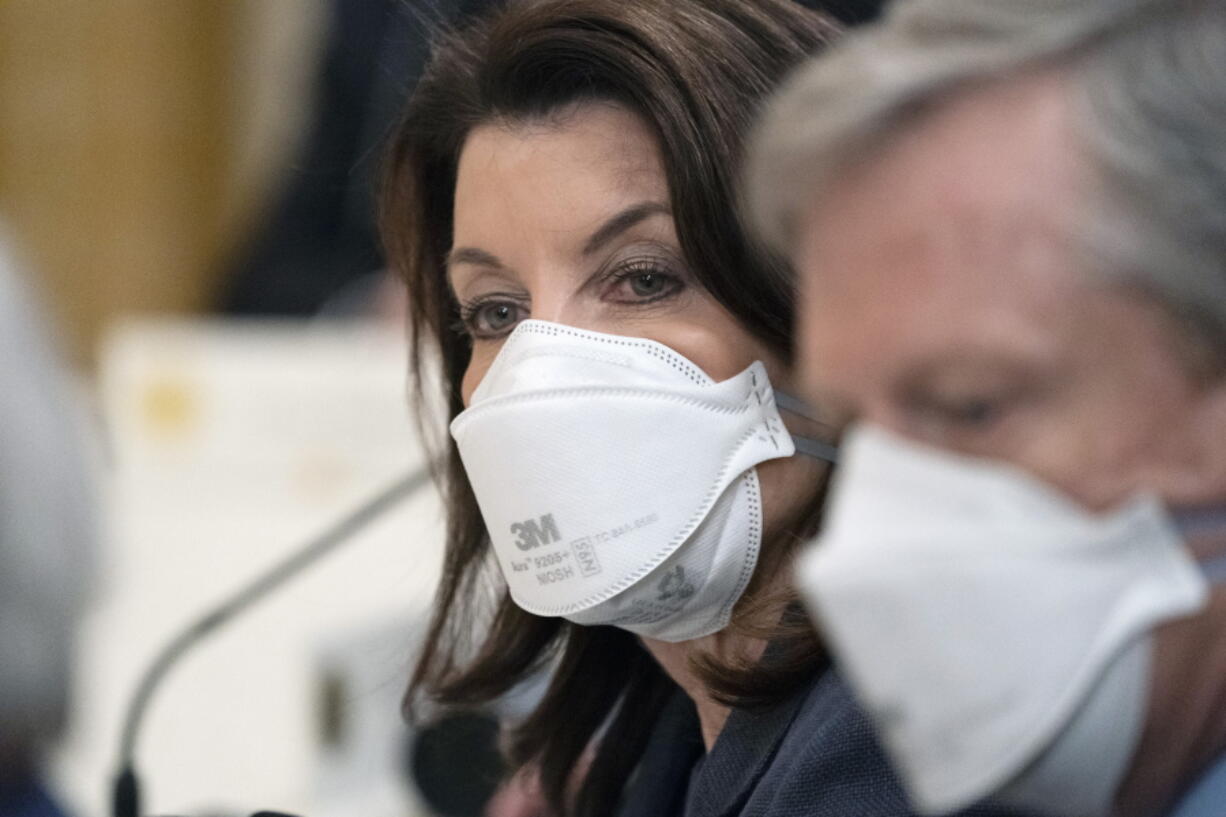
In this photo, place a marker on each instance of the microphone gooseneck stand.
(125, 800)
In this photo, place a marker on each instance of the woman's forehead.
(595, 153)
(549, 187)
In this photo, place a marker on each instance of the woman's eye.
(647, 284)
(644, 285)
(492, 319)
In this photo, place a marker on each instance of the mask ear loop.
(1201, 521)
(1214, 570)
(816, 449)
(808, 446)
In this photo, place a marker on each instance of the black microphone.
(125, 793)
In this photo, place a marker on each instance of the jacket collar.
(744, 750)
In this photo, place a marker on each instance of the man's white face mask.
(617, 480)
(997, 633)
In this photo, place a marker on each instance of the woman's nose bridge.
(570, 308)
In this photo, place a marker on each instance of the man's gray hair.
(1149, 79)
(47, 527)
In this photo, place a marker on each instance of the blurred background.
(151, 150)
(141, 140)
(187, 186)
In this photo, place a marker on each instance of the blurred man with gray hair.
(1009, 218)
(47, 541)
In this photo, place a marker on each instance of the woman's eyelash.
(468, 310)
(463, 317)
(637, 266)
(459, 326)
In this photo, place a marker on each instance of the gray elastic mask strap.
(1214, 570)
(795, 405)
(1201, 521)
(816, 449)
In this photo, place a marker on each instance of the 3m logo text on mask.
(533, 533)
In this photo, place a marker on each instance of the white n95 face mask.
(997, 634)
(617, 479)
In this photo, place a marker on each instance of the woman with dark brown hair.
(623, 498)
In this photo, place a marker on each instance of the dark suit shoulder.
(814, 755)
(830, 764)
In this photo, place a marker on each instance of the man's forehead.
(997, 156)
(953, 236)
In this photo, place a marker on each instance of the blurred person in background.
(1010, 221)
(316, 246)
(623, 499)
(47, 540)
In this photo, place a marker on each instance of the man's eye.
(954, 422)
(969, 415)
(977, 412)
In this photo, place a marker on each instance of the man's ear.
(1203, 481)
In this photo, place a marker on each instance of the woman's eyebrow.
(623, 221)
(472, 255)
(612, 228)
